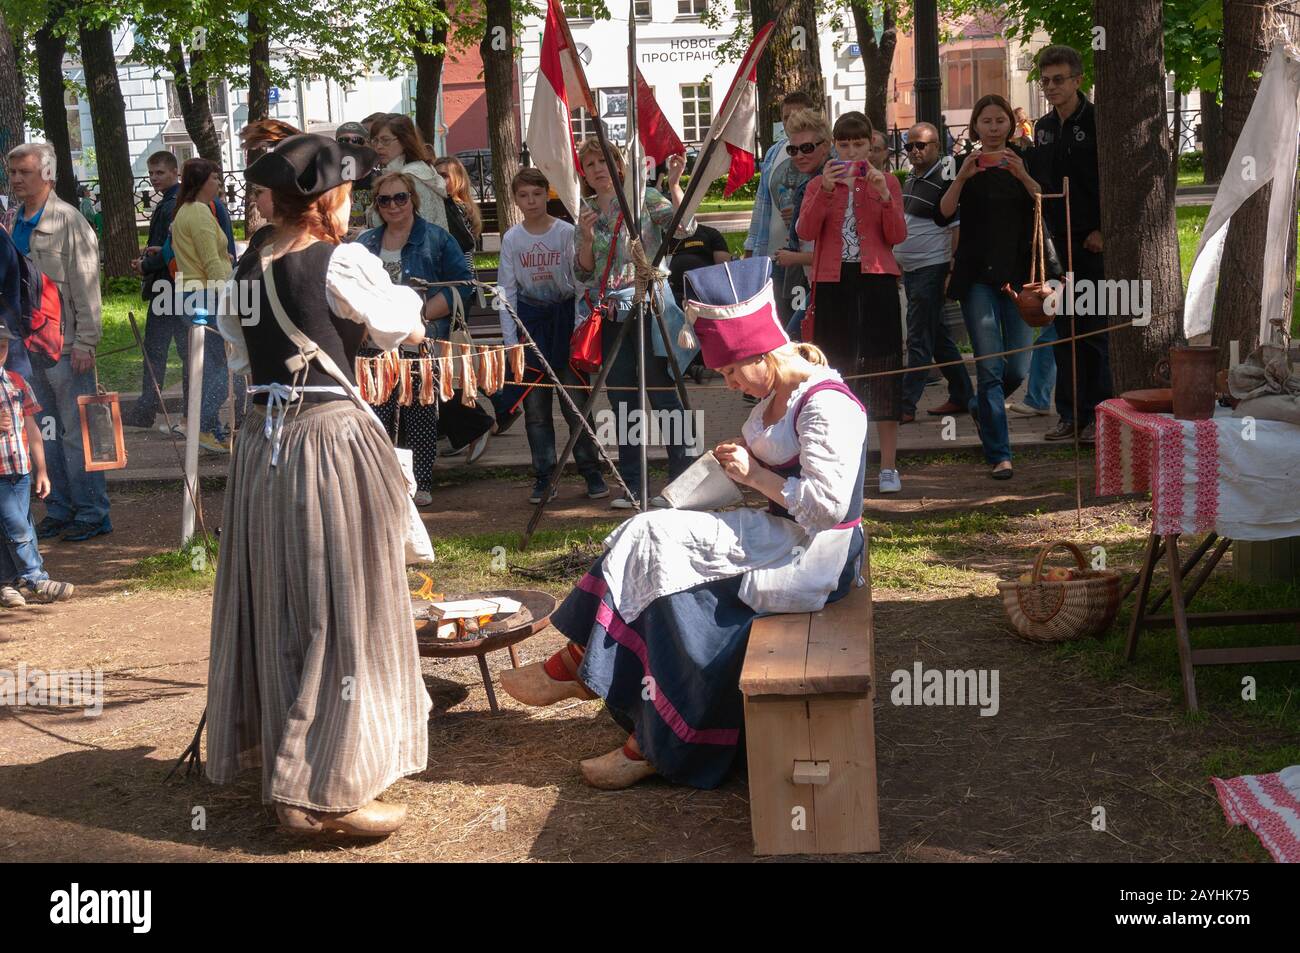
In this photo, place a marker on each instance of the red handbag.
(807, 323)
(585, 351)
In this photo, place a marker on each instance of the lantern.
(101, 431)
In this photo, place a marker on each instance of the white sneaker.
(1021, 409)
(423, 497)
(178, 429)
(660, 503)
(624, 503)
(11, 598)
(890, 481)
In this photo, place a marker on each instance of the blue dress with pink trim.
(671, 676)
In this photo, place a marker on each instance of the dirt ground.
(954, 786)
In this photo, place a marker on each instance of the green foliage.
(1191, 161)
(1193, 29)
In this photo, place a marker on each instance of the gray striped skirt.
(314, 672)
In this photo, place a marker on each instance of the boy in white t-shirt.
(536, 278)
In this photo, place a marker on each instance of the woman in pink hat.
(658, 626)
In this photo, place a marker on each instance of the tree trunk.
(1178, 129)
(791, 62)
(11, 107)
(497, 51)
(877, 61)
(259, 69)
(196, 107)
(1138, 227)
(112, 154)
(1214, 158)
(50, 49)
(428, 74)
(1241, 279)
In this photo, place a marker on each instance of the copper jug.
(1191, 375)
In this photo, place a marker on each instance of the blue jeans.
(1042, 371)
(215, 385)
(625, 402)
(994, 324)
(75, 495)
(160, 331)
(928, 340)
(20, 560)
(540, 426)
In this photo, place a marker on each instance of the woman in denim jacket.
(410, 247)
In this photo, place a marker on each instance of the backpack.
(40, 316)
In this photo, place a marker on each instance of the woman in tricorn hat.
(314, 672)
(658, 626)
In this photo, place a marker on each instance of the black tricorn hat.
(309, 165)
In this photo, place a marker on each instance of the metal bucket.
(1191, 373)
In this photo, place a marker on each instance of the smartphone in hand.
(858, 168)
(992, 160)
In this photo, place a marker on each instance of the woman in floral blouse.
(608, 276)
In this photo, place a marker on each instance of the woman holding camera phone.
(994, 193)
(853, 213)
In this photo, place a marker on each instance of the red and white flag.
(735, 125)
(560, 78)
(658, 138)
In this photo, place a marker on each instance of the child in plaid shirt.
(22, 467)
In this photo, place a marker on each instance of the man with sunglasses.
(925, 259)
(355, 134)
(1065, 145)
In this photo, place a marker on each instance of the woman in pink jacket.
(854, 215)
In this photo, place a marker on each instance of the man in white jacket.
(63, 245)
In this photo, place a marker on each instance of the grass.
(1219, 688)
(1194, 177)
(727, 205)
(929, 554)
(465, 563)
(1191, 224)
(191, 567)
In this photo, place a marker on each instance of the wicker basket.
(1062, 611)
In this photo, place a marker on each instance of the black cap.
(309, 165)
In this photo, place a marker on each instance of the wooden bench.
(810, 737)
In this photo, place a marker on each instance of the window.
(691, 8)
(216, 99)
(73, 106)
(970, 74)
(742, 6)
(578, 10)
(697, 111)
(581, 124)
(642, 9)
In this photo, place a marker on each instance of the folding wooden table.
(1204, 476)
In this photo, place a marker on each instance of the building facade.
(679, 56)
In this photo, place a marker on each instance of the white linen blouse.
(789, 565)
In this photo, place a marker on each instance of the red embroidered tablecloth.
(1237, 476)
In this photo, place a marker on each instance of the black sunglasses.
(352, 140)
(807, 148)
(917, 144)
(394, 198)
